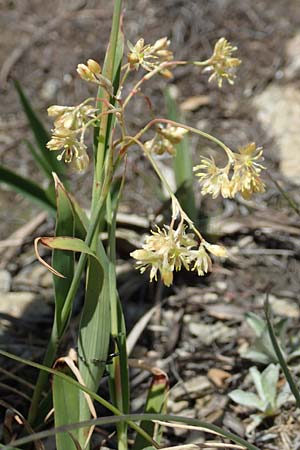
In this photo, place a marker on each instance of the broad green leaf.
(66, 408)
(94, 331)
(69, 243)
(256, 377)
(247, 399)
(27, 188)
(269, 380)
(257, 324)
(39, 131)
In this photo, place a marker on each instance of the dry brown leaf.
(218, 376)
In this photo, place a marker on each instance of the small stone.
(292, 70)
(5, 281)
(278, 109)
(177, 407)
(50, 88)
(281, 306)
(193, 388)
(20, 304)
(234, 424)
(207, 334)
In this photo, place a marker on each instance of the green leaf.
(39, 131)
(280, 356)
(247, 399)
(27, 188)
(183, 164)
(156, 403)
(62, 260)
(94, 331)
(40, 160)
(257, 324)
(257, 379)
(269, 379)
(66, 407)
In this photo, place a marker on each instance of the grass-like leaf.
(62, 260)
(156, 403)
(66, 407)
(39, 131)
(27, 188)
(183, 164)
(83, 388)
(281, 360)
(94, 331)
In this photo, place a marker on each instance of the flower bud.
(56, 110)
(94, 66)
(85, 73)
(81, 162)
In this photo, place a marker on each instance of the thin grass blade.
(41, 162)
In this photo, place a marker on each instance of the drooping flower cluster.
(68, 133)
(245, 177)
(221, 63)
(71, 121)
(150, 56)
(165, 139)
(167, 250)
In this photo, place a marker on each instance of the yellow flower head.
(213, 180)
(167, 250)
(221, 63)
(149, 56)
(246, 171)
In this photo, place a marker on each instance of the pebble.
(278, 109)
(207, 334)
(193, 388)
(20, 304)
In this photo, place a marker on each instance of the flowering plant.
(169, 248)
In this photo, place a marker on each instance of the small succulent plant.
(269, 397)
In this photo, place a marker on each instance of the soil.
(42, 43)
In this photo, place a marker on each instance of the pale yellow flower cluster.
(241, 174)
(150, 56)
(221, 63)
(68, 133)
(165, 139)
(167, 250)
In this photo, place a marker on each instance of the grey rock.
(5, 281)
(278, 109)
(20, 304)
